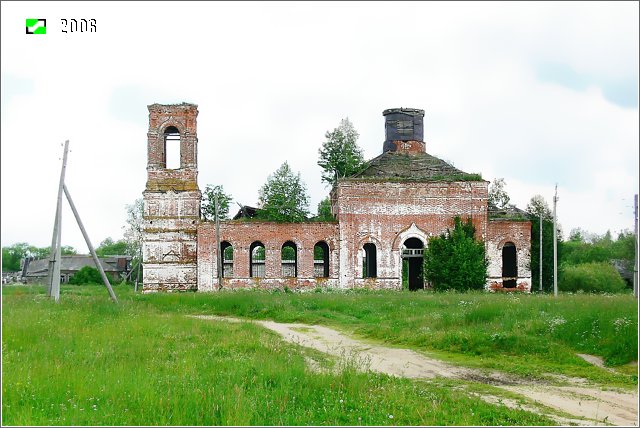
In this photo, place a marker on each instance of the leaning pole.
(91, 249)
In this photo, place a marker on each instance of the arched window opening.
(289, 257)
(321, 260)
(369, 261)
(509, 265)
(172, 148)
(412, 262)
(227, 259)
(257, 258)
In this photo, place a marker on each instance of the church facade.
(383, 219)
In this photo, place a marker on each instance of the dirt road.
(587, 404)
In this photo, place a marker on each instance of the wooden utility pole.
(635, 261)
(219, 257)
(555, 245)
(128, 275)
(540, 276)
(53, 277)
(91, 250)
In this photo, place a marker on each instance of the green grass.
(525, 334)
(87, 361)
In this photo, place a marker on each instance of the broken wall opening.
(369, 261)
(289, 259)
(172, 148)
(321, 260)
(509, 265)
(257, 260)
(227, 259)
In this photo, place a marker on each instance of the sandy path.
(589, 405)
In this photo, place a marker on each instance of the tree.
(324, 210)
(340, 155)
(536, 206)
(623, 252)
(208, 202)
(133, 235)
(11, 256)
(455, 259)
(625, 246)
(589, 248)
(284, 197)
(497, 194)
(576, 235)
(66, 250)
(288, 253)
(591, 277)
(45, 252)
(133, 230)
(109, 247)
(14, 254)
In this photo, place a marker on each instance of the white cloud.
(270, 79)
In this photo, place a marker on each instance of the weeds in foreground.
(86, 361)
(526, 334)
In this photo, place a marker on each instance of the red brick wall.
(183, 117)
(380, 212)
(179, 250)
(171, 203)
(241, 234)
(499, 232)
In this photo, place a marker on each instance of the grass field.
(86, 361)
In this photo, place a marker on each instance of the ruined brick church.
(383, 218)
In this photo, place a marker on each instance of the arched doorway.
(412, 264)
(509, 265)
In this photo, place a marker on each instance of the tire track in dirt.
(589, 405)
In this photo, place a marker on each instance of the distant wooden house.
(36, 271)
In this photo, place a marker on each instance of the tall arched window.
(321, 260)
(227, 259)
(369, 261)
(257, 258)
(509, 265)
(171, 148)
(289, 258)
(412, 261)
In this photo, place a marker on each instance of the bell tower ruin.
(171, 199)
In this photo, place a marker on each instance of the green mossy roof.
(394, 166)
(510, 212)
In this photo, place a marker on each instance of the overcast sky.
(536, 93)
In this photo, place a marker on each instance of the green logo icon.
(36, 26)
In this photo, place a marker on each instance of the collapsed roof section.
(510, 212)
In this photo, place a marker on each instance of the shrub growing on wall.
(591, 277)
(455, 259)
